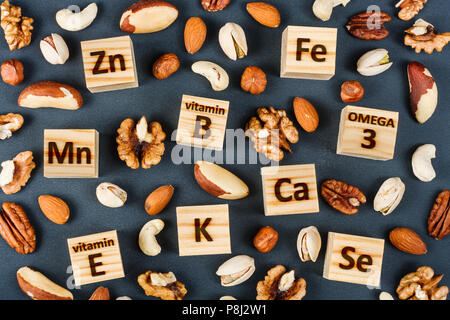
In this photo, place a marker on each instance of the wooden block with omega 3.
(71, 153)
(95, 257)
(203, 230)
(289, 189)
(109, 64)
(202, 122)
(353, 259)
(308, 53)
(367, 133)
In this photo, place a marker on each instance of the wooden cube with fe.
(95, 257)
(353, 259)
(203, 230)
(308, 53)
(71, 153)
(109, 64)
(367, 133)
(202, 122)
(289, 189)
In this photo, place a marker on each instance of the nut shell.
(236, 265)
(407, 240)
(54, 208)
(309, 243)
(158, 199)
(306, 114)
(389, 195)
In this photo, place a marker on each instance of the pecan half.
(342, 196)
(214, 5)
(16, 229)
(439, 219)
(369, 25)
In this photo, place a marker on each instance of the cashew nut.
(76, 21)
(323, 9)
(215, 74)
(147, 239)
(421, 162)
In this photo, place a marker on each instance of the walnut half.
(16, 27)
(281, 285)
(162, 285)
(21, 169)
(422, 285)
(9, 123)
(140, 141)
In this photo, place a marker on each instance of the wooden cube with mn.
(95, 257)
(353, 259)
(202, 122)
(109, 64)
(289, 189)
(71, 153)
(203, 230)
(308, 53)
(367, 133)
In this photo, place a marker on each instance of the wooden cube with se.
(202, 122)
(203, 230)
(95, 257)
(367, 133)
(71, 153)
(289, 189)
(308, 53)
(109, 64)
(353, 259)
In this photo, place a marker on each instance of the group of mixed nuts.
(141, 144)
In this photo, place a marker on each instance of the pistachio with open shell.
(110, 195)
(232, 41)
(236, 270)
(374, 62)
(389, 195)
(54, 49)
(308, 244)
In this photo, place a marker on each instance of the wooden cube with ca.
(353, 259)
(95, 257)
(109, 64)
(367, 133)
(71, 153)
(308, 53)
(203, 230)
(289, 189)
(202, 122)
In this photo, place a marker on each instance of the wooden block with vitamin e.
(289, 189)
(367, 133)
(202, 122)
(203, 230)
(71, 153)
(95, 258)
(353, 259)
(109, 64)
(308, 53)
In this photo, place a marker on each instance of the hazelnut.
(12, 72)
(165, 66)
(352, 91)
(266, 239)
(253, 80)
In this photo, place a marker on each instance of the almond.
(55, 209)
(101, 293)
(194, 34)
(264, 13)
(407, 240)
(306, 114)
(39, 287)
(158, 199)
(148, 16)
(219, 182)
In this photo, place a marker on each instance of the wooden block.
(202, 122)
(109, 64)
(367, 133)
(95, 258)
(308, 53)
(71, 153)
(289, 189)
(353, 259)
(203, 230)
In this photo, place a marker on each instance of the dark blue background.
(160, 100)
